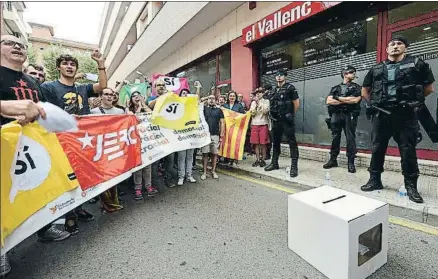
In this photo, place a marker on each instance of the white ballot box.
(343, 235)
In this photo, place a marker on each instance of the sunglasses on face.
(160, 85)
(279, 75)
(109, 94)
(13, 43)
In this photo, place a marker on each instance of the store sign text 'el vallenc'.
(282, 18)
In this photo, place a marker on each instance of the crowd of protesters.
(98, 98)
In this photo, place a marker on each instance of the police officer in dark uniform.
(398, 85)
(344, 108)
(284, 103)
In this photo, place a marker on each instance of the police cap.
(281, 73)
(401, 39)
(346, 69)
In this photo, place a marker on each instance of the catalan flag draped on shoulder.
(236, 126)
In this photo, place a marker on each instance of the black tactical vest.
(408, 83)
(281, 101)
(336, 92)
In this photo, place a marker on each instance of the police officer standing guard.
(397, 85)
(284, 103)
(344, 108)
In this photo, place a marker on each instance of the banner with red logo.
(103, 148)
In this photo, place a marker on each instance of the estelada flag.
(176, 113)
(105, 146)
(34, 172)
(236, 126)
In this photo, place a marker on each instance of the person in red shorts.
(259, 126)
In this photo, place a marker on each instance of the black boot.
(375, 182)
(332, 163)
(351, 166)
(274, 163)
(294, 167)
(411, 188)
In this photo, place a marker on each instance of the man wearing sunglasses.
(396, 85)
(14, 84)
(284, 103)
(36, 71)
(344, 108)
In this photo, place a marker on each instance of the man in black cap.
(344, 108)
(397, 85)
(284, 103)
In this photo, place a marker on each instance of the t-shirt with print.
(213, 115)
(18, 86)
(101, 110)
(73, 99)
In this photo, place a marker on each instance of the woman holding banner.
(137, 105)
(185, 157)
(234, 105)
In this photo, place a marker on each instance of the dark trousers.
(278, 129)
(343, 121)
(402, 125)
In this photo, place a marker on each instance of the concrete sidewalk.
(312, 174)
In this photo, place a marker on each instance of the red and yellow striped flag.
(236, 126)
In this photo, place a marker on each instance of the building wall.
(42, 38)
(224, 31)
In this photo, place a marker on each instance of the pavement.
(234, 227)
(311, 174)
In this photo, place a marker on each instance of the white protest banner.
(156, 143)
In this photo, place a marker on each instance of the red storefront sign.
(286, 16)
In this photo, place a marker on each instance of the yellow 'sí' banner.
(34, 172)
(236, 126)
(174, 112)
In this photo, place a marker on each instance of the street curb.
(423, 216)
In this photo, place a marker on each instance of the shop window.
(225, 65)
(397, 12)
(338, 42)
(205, 73)
(423, 40)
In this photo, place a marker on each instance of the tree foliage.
(31, 55)
(52, 52)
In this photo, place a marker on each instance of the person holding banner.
(234, 105)
(137, 105)
(160, 87)
(185, 157)
(15, 104)
(109, 199)
(214, 117)
(73, 98)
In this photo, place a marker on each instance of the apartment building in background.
(240, 45)
(12, 21)
(44, 35)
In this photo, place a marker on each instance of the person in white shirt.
(110, 198)
(259, 126)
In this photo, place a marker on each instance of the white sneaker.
(191, 179)
(215, 176)
(180, 181)
(203, 176)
